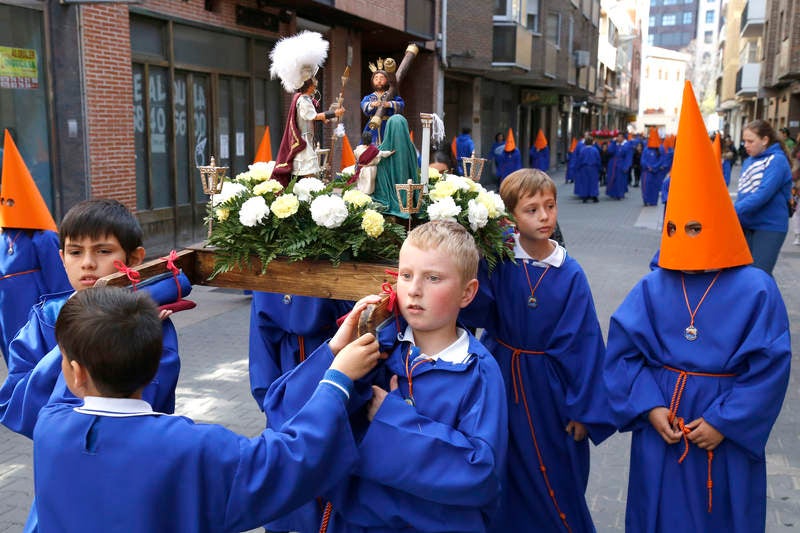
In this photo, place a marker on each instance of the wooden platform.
(348, 281)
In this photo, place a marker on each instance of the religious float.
(319, 235)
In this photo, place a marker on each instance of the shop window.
(23, 93)
(147, 37)
(419, 17)
(192, 47)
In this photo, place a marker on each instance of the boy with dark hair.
(431, 421)
(97, 238)
(541, 326)
(145, 471)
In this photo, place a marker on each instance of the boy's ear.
(470, 290)
(136, 257)
(61, 255)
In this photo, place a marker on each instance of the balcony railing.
(747, 79)
(511, 46)
(753, 18)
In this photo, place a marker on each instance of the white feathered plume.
(297, 58)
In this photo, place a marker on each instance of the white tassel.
(437, 130)
(339, 131)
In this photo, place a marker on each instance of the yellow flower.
(372, 223)
(222, 213)
(442, 190)
(356, 198)
(268, 186)
(434, 174)
(285, 205)
(485, 200)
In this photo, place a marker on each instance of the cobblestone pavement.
(613, 241)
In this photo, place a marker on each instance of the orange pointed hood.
(411, 136)
(541, 141)
(697, 195)
(573, 145)
(653, 141)
(717, 145)
(453, 148)
(264, 153)
(21, 203)
(348, 157)
(510, 144)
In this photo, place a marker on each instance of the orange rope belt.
(677, 394)
(20, 273)
(519, 390)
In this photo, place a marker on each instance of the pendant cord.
(686, 297)
(528, 277)
(11, 243)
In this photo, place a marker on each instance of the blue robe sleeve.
(452, 465)
(160, 393)
(577, 348)
(746, 413)
(25, 393)
(54, 277)
(631, 385)
(281, 470)
(776, 176)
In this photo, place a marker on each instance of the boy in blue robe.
(540, 153)
(618, 167)
(284, 330)
(431, 420)
(29, 262)
(465, 147)
(587, 178)
(698, 358)
(96, 236)
(509, 159)
(541, 326)
(652, 175)
(140, 470)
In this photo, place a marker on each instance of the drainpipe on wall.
(443, 58)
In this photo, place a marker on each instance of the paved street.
(613, 240)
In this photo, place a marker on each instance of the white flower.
(328, 210)
(356, 198)
(464, 184)
(477, 214)
(444, 209)
(304, 187)
(493, 203)
(261, 171)
(229, 190)
(434, 174)
(253, 211)
(268, 186)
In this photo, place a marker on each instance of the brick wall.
(109, 101)
(469, 32)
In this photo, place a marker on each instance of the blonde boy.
(430, 421)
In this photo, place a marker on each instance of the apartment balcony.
(753, 18)
(747, 79)
(511, 46)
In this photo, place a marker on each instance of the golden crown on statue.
(387, 65)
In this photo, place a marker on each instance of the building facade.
(124, 100)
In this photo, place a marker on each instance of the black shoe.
(594, 199)
(584, 200)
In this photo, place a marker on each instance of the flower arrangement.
(471, 205)
(255, 215)
(308, 219)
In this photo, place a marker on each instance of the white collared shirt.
(115, 407)
(555, 259)
(456, 353)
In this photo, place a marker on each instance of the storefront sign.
(18, 68)
(538, 98)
